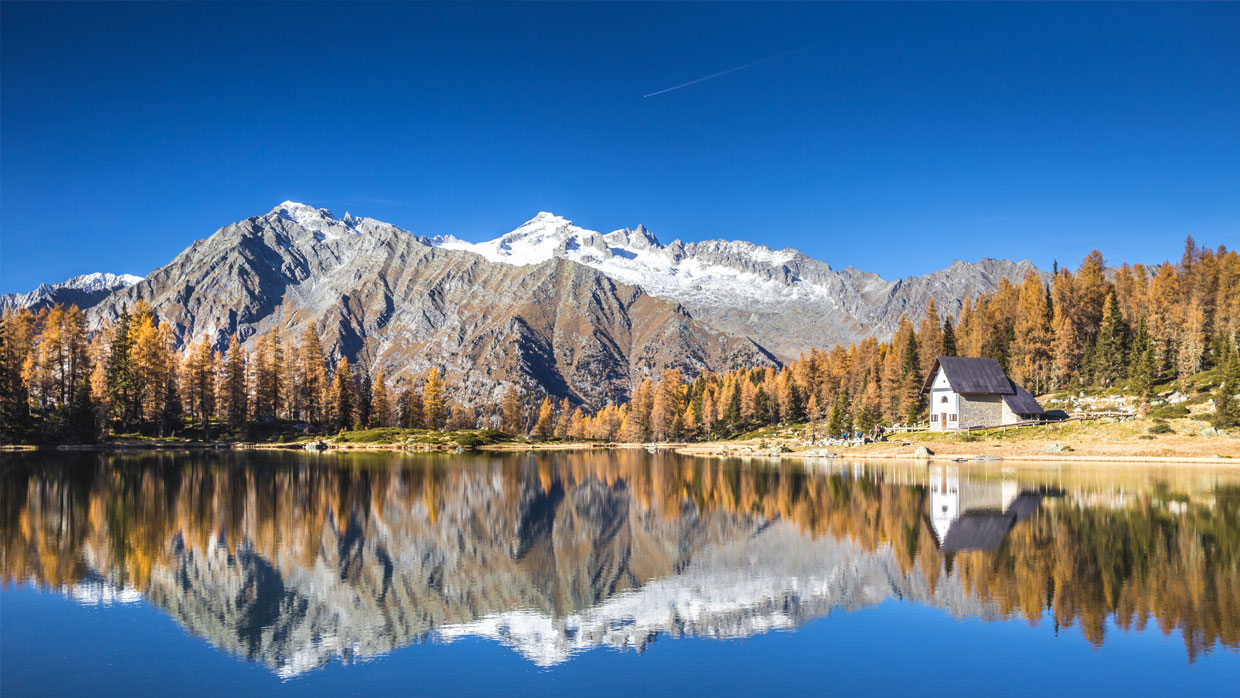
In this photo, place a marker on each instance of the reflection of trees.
(124, 516)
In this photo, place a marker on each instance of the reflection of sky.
(890, 649)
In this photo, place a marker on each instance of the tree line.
(1134, 325)
(62, 382)
(1094, 327)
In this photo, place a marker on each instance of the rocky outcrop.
(83, 291)
(383, 298)
(550, 306)
(782, 299)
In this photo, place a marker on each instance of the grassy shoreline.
(1185, 440)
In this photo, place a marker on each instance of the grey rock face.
(550, 306)
(83, 291)
(784, 300)
(383, 298)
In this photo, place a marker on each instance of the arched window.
(943, 399)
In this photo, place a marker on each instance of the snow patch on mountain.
(716, 270)
(77, 290)
(782, 299)
(323, 224)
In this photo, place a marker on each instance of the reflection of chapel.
(975, 515)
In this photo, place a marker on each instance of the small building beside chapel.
(971, 392)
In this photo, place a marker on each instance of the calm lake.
(612, 573)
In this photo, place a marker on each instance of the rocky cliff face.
(83, 291)
(784, 300)
(382, 297)
(550, 306)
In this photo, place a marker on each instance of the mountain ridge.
(746, 288)
(550, 306)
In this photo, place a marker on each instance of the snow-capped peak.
(69, 291)
(321, 221)
(98, 281)
(306, 216)
(715, 269)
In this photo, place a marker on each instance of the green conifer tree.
(121, 380)
(1110, 354)
(949, 337)
(1226, 402)
(1141, 361)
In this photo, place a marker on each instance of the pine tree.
(1227, 396)
(545, 425)
(949, 337)
(365, 397)
(433, 401)
(910, 383)
(80, 426)
(76, 363)
(234, 394)
(1110, 354)
(795, 402)
(1141, 362)
(122, 385)
(343, 399)
(732, 413)
(840, 421)
(15, 420)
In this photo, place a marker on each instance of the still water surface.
(611, 573)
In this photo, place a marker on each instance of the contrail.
(725, 72)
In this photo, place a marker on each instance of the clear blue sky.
(901, 138)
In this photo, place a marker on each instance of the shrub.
(1161, 428)
(1170, 412)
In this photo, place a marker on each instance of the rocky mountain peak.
(83, 291)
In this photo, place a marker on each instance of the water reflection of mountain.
(294, 562)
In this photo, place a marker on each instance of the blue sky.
(901, 138)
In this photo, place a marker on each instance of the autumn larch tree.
(1030, 362)
(545, 425)
(380, 402)
(433, 402)
(311, 376)
(511, 420)
(413, 416)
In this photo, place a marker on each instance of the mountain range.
(83, 291)
(553, 307)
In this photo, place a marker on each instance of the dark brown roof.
(977, 531)
(972, 375)
(1021, 402)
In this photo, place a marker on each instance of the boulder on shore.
(923, 452)
(1057, 448)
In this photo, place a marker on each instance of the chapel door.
(943, 419)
